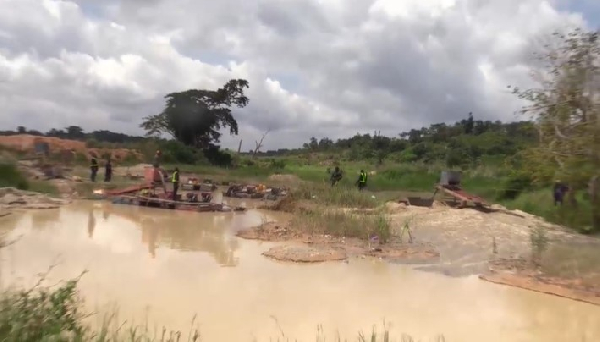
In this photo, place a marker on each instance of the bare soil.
(303, 254)
(26, 143)
(12, 198)
(319, 248)
(494, 244)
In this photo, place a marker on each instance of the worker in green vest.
(175, 181)
(362, 180)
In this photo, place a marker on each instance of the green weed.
(342, 224)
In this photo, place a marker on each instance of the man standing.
(560, 190)
(107, 171)
(94, 169)
(175, 181)
(336, 176)
(156, 162)
(362, 180)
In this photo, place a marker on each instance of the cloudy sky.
(316, 67)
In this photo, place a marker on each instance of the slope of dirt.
(26, 143)
(555, 287)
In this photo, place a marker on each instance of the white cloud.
(316, 67)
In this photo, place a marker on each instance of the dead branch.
(259, 143)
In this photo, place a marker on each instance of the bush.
(11, 177)
(277, 164)
(515, 185)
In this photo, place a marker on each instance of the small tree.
(566, 108)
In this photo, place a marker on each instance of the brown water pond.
(168, 266)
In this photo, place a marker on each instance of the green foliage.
(277, 164)
(339, 195)
(174, 152)
(449, 144)
(194, 117)
(40, 314)
(566, 109)
(516, 184)
(10, 176)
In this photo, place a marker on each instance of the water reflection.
(184, 231)
(91, 223)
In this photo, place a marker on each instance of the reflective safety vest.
(363, 177)
(174, 177)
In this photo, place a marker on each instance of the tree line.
(463, 143)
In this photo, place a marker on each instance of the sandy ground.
(318, 248)
(457, 242)
(12, 198)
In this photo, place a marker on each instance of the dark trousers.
(558, 198)
(107, 176)
(175, 188)
(361, 186)
(93, 175)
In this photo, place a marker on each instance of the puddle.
(171, 265)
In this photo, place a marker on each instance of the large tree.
(196, 116)
(566, 107)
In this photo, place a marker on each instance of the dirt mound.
(12, 198)
(26, 143)
(394, 207)
(304, 254)
(269, 231)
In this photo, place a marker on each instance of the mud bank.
(523, 274)
(308, 248)
(12, 198)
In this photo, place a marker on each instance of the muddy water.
(168, 266)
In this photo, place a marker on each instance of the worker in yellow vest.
(175, 181)
(362, 180)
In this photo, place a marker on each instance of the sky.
(317, 68)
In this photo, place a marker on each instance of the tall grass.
(342, 224)
(339, 195)
(541, 203)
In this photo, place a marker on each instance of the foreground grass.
(54, 314)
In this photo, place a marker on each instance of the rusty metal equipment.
(450, 186)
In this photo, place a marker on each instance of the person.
(362, 180)
(560, 190)
(156, 163)
(94, 169)
(107, 171)
(175, 181)
(336, 176)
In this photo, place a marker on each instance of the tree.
(195, 117)
(566, 109)
(469, 124)
(259, 143)
(21, 130)
(75, 132)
